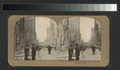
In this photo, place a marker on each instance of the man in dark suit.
(33, 52)
(93, 49)
(26, 52)
(49, 49)
(77, 52)
(70, 52)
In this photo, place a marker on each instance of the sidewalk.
(87, 55)
(43, 55)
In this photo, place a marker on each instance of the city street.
(43, 54)
(87, 55)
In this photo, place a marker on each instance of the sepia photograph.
(57, 38)
(70, 38)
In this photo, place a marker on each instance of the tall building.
(51, 34)
(96, 34)
(25, 32)
(63, 33)
(53, 28)
(74, 30)
(65, 23)
(48, 38)
(68, 32)
(93, 37)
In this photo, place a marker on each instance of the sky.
(41, 24)
(85, 28)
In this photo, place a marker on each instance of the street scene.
(57, 38)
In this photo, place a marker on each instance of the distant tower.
(51, 34)
(96, 34)
(74, 30)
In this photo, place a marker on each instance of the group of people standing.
(77, 52)
(33, 52)
(78, 49)
(35, 49)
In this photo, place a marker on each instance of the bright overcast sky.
(41, 28)
(85, 28)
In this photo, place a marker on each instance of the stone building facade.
(51, 38)
(25, 32)
(74, 31)
(96, 34)
(68, 32)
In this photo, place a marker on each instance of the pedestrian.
(99, 48)
(77, 52)
(33, 52)
(55, 48)
(49, 49)
(26, 52)
(82, 49)
(93, 49)
(70, 52)
(38, 48)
